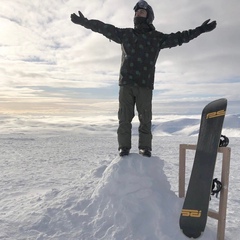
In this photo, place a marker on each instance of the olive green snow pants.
(129, 96)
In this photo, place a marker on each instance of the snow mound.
(129, 198)
(133, 200)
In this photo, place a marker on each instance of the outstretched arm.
(107, 30)
(177, 39)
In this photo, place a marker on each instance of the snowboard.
(195, 208)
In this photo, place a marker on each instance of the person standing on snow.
(140, 49)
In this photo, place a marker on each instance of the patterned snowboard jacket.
(140, 50)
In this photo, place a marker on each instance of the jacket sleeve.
(109, 31)
(178, 38)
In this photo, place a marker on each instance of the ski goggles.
(141, 5)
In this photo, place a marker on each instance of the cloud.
(43, 55)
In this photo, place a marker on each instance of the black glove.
(78, 19)
(208, 27)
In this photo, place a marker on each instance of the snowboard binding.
(216, 187)
(224, 141)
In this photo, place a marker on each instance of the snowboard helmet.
(144, 5)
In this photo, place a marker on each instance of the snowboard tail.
(195, 208)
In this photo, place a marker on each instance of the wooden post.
(182, 170)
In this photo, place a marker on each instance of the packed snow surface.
(72, 185)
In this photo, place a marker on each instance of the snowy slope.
(74, 186)
(61, 178)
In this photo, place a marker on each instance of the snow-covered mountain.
(164, 125)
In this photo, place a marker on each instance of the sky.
(49, 64)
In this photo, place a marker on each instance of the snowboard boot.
(145, 152)
(124, 152)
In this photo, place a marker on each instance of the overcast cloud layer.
(46, 60)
